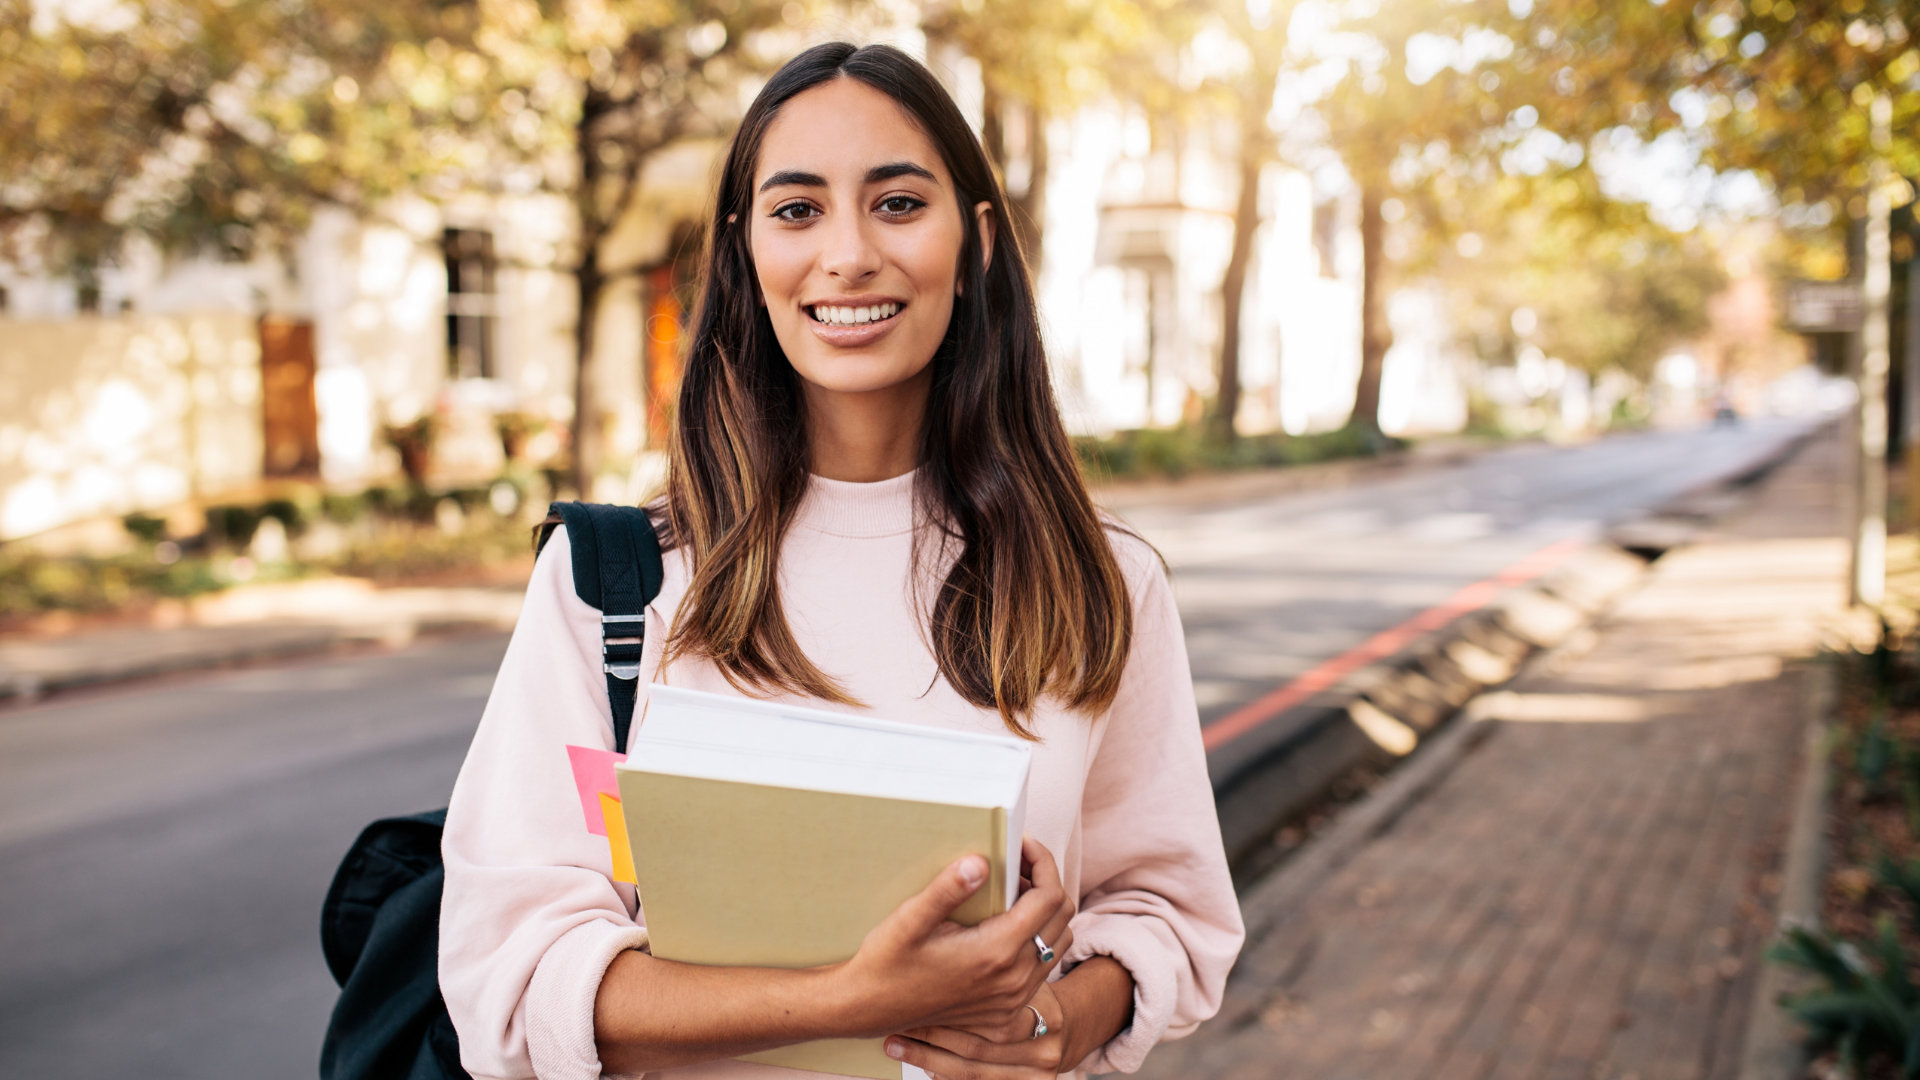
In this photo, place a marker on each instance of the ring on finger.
(1046, 950)
(1039, 1024)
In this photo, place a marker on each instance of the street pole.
(1870, 533)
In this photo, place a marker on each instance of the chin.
(852, 382)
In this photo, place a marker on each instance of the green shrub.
(1178, 452)
(145, 528)
(232, 526)
(1864, 1004)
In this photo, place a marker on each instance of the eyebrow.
(790, 177)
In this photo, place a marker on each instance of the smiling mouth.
(832, 315)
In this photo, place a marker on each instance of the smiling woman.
(872, 505)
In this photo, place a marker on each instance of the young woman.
(872, 505)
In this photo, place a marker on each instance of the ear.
(983, 220)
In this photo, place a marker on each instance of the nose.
(849, 254)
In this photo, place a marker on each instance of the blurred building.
(178, 380)
(1131, 289)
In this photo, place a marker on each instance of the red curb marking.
(1328, 673)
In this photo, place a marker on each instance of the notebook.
(773, 836)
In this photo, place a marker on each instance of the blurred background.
(309, 249)
(1373, 315)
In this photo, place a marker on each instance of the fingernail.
(895, 1049)
(973, 870)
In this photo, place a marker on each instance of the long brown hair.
(1033, 602)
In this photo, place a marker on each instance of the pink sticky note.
(593, 775)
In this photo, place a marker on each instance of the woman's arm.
(916, 969)
(1158, 926)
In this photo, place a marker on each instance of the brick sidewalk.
(1586, 895)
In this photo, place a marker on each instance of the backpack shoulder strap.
(617, 569)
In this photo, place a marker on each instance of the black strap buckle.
(619, 634)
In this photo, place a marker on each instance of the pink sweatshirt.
(532, 918)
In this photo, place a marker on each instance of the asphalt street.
(1269, 588)
(164, 851)
(165, 847)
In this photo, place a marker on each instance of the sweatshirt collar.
(841, 508)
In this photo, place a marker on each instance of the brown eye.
(900, 205)
(795, 211)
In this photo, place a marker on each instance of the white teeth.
(846, 316)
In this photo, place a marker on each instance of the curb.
(1389, 710)
(1774, 1047)
(31, 669)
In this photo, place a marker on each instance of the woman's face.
(856, 232)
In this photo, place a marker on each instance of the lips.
(851, 315)
(853, 322)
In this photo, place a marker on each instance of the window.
(472, 307)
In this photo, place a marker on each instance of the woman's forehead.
(845, 131)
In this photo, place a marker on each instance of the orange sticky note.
(617, 839)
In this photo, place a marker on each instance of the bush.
(1863, 1007)
(145, 528)
(1177, 452)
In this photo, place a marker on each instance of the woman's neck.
(866, 436)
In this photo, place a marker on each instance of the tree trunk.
(993, 130)
(1376, 337)
(1030, 207)
(1233, 288)
(589, 282)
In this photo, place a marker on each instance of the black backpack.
(380, 926)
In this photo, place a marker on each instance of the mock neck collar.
(842, 508)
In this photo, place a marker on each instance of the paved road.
(164, 848)
(164, 851)
(1269, 588)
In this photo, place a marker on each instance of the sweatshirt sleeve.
(531, 916)
(1156, 894)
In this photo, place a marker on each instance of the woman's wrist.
(1096, 999)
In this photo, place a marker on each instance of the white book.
(775, 836)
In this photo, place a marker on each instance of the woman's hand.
(919, 970)
(916, 969)
(1083, 1010)
(1005, 1052)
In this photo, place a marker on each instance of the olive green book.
(771, 836)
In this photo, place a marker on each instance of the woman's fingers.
(948, 1065)
(1039, 906)
(928, 908)
(1022, 1050)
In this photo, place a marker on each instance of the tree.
(207, 125)
(642, 75)
(1040, 60)
(1773, 86)
(1608, 287)
(1393, 103)
(1250, 88)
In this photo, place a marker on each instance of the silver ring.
(1046, 950)
(1039, 1025)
